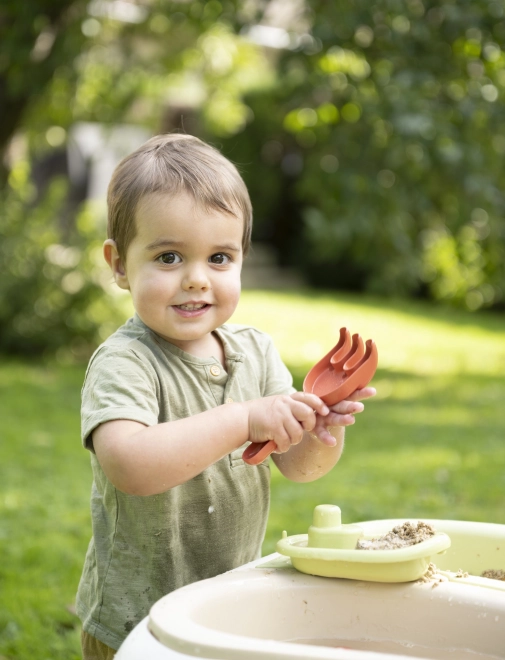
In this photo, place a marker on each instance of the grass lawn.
(429, 445)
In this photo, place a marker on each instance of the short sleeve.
(119, 384)
(278, 377)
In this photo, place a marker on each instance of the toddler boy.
(172, 397)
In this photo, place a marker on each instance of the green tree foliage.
(51, 288)
(386, 134)
(130, 63)
(372, 141)
(35, 39)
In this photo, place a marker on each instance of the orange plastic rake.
(348, 367)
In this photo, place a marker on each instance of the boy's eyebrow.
(163, 242)
(166, 242)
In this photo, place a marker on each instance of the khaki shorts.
(92, 649)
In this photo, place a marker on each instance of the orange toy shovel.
(348, 367)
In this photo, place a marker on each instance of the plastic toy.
(348, 367)
(329, 550)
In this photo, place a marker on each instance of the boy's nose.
(195, 278)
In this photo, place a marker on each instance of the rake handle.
(256, 452)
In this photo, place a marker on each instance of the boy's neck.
(205, 347)
(212, 347)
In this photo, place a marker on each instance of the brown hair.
(172, 164)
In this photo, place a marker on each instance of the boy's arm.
(321, 448)
(146, 460)
(310, 460)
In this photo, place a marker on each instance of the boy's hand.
(341, 414)
(284, 418)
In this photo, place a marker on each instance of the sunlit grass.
(412, 338)
(44, 519)
(429, 445)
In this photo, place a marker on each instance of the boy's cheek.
(232, 288)
(151, 283)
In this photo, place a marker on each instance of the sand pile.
(400, 536)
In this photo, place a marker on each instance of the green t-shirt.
(144, 547)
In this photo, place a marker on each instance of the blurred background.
(371, 135)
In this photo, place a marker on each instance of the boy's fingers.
(327, 439)
(323, 435)
(295, 431)
(365, 393)
(339, 419)
(304, 415)
(291, 434)
(282, 441)
(312, 401)
(322, 428)
(347, 408)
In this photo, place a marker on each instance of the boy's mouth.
(191, 307)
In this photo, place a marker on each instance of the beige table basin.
(267, 610)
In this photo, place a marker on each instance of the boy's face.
(182, 269)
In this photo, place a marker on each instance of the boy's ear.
(116, 264)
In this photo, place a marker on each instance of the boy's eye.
(220, 259)
(169, 258)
